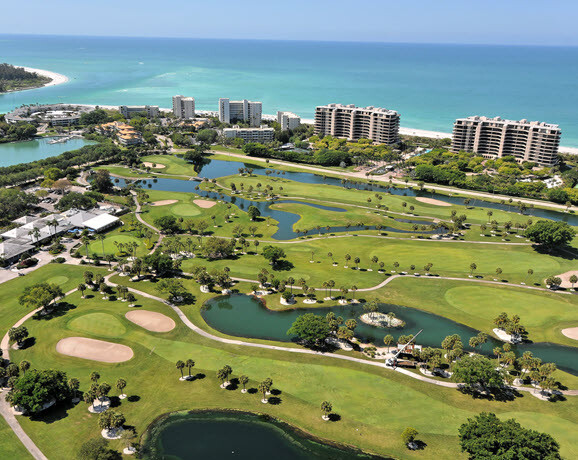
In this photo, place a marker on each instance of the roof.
(101, 222)
(8, 249)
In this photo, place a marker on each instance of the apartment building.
(288, 120)
(261, 135)
(184, 107)
(245, 111)
(351, 122)
(129, 111)
(126, 134)
(494, 138)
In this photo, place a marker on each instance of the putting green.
(98, 324)
(185, 210)
(485, 301)
(59, 280)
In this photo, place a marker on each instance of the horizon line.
(292, 40)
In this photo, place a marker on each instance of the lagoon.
(14, 153)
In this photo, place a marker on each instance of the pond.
(244, 436)
(220, 168)
(14, 153)
(245, 316)
(286, 219)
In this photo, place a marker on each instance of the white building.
(245, 111)
(494, 138)
(261, 135)
(184, 107)
(129, 111)
(351, 122)
(288, 120)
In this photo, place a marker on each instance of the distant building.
(129, 111)
(53, 114)
(245, 111)
(288, 120)
(184, 107)
(374, 123)
(126, 134)
(494, 138)
(250, 134)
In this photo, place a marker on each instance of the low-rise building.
(129, 111)
(262, 134)
(184, 107)
(53, 114)
(288, 120)
(236, 111)
(126, 134)
(495, 137)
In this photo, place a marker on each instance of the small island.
(381, 320)
(14, 78)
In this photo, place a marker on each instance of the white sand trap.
(433, 201)
(151, 320)
(95, 350)
(148, 164)
(571, 332)
(565, 277)
(164, 202)
(205, 204)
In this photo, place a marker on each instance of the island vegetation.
(17, 78)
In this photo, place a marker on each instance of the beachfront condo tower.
(288, 120)
(494, 138)
(379, 125)
(184, 107)
(129, 111)
(240, 111)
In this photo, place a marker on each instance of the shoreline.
(55, 78)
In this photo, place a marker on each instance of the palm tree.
(190, 364)
(243, 380)
(222, 376)
(395, 265)
(374, 260)
(24, 366)
(101, 238)
(347, 259)
(353, 290)
(473, 267)
(73, 385)
(357, 260)
(331, 285)
(263, 390)
(388, 340)
(291, 282)
(85, 240)
(121, 385)
(344, 291)
(326, 408)
(180, 366)
(497, 352)
(94, 377)
(330, 255)
(82, 288)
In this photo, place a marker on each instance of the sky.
(507, 22)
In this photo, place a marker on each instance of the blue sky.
(520, 22)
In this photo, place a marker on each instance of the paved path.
(142, 221)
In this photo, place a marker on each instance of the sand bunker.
(433, 201)
(571, 332)
(205, 204)
(151, 320)
(95, 350)
(164, 202)
(565, 277)
(148, 164)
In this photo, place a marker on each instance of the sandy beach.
(57, 78)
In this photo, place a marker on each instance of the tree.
(273, 254)
(121, 385)
(388, 340)
(75, 200)
(550, 234)
(97, 449)
(473, 267)
(408, 435)
(218, 248)
(243, 380)
(40, 295)
(73, 386)
(173, 287)
(573, 280)
(167, 224)
(36, 388)
(487, 437)
(180, 365)
(475, 372)
(82, 287)
(24, 366)
(111, 420)
(101, 182)
(326, 408)
(253, 212)
(190, 364)
(207, 136)
(18, 334)
(263, 389)
(222, 376)
(310, 328)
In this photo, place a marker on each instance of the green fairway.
(10, 445)
(97, 324)
(185, 210)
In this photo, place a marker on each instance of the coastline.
(56, 78)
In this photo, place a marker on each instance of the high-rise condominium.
(379, 125)
(494, 138)
(245, 111)
(184, 107)
(288, 120)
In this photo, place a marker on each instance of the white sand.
(57, 78)
(148, 164)
(205, 204)
(571, 332)
(379, 319)
(424, 133)
(164, 202)
(151, 320)
(565, 277)
(433, 201)
(95, 350)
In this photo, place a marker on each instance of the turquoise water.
(218, 435)
(14, 153)
(430, 85)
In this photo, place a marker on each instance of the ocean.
(429, 85)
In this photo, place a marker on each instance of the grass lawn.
(173, 165)
(10, 445)
(304, 381)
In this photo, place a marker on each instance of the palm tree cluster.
(189, 364)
